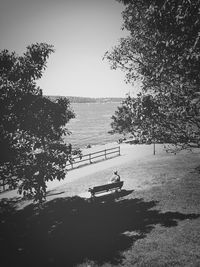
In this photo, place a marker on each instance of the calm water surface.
(92, 124)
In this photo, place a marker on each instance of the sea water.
(92, 123)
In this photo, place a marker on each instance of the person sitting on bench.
(115, 177)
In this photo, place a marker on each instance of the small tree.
(32, 127)
(142, 117)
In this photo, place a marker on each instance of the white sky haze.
(81, 32)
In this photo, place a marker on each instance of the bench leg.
(92, 196)
(92, 199)
(117, 192)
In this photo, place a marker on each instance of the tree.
(32, 127)
(163, 50)
(142, 117)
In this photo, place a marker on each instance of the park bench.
(106, 188)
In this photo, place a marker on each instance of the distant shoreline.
(77, 99)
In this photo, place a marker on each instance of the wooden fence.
(94, 157)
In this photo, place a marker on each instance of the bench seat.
(105, 188)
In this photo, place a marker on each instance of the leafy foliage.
(140, 116)
(31, 145)
(163, 51)
(146, 118)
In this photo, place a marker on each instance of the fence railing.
(94, 157)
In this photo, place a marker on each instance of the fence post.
(90, 158)
(105, 154)
(3, 184)
(119, 150)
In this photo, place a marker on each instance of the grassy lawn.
(155, 221)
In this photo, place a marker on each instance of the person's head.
(115, 172)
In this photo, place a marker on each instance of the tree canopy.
(32, 150)
(163, 51)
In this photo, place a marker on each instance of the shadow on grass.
(68, 231)
(198, 169)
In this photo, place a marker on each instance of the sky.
(81, 31)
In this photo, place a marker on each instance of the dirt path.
(99, 172)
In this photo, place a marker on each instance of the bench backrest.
(107, 186)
